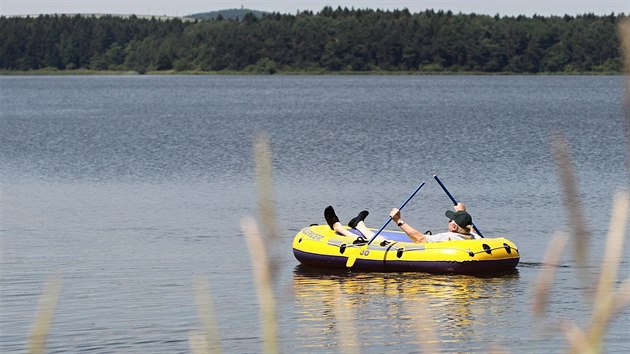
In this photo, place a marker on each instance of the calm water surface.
(129, 187)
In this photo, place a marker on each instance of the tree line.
(358, 40)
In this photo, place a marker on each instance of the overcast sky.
(185, 7)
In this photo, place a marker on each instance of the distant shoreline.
(332, 42)
(89, 72)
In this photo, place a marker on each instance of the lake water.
(130, 187)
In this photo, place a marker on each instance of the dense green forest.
(360, 40)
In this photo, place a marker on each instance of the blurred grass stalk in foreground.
(624, 33)
(262, 275)
(607, 300)
(263, 167)
(573, 204)
(265, 265)
(47, 306)
(206, 341)
(257, 242)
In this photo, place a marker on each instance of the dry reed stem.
(577, 339)
(262, 273)
(572, 201)
(624, 33)
(348, 335)
(605, 294)
(208, 340)
(547, 276)
(608, 300)
(198, 343)
(47, 306)
(264, 178)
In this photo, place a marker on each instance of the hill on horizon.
(236, 14)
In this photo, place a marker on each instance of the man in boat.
(459, 225)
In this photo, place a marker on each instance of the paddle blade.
(351, 259)
(352, 255)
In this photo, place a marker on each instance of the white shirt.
(447, 236)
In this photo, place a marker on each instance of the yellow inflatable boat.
(392, 251)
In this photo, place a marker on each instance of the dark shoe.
(362, 215)
(330, 216)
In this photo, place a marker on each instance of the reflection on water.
(394, 310)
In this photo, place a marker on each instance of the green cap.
(461, 218)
